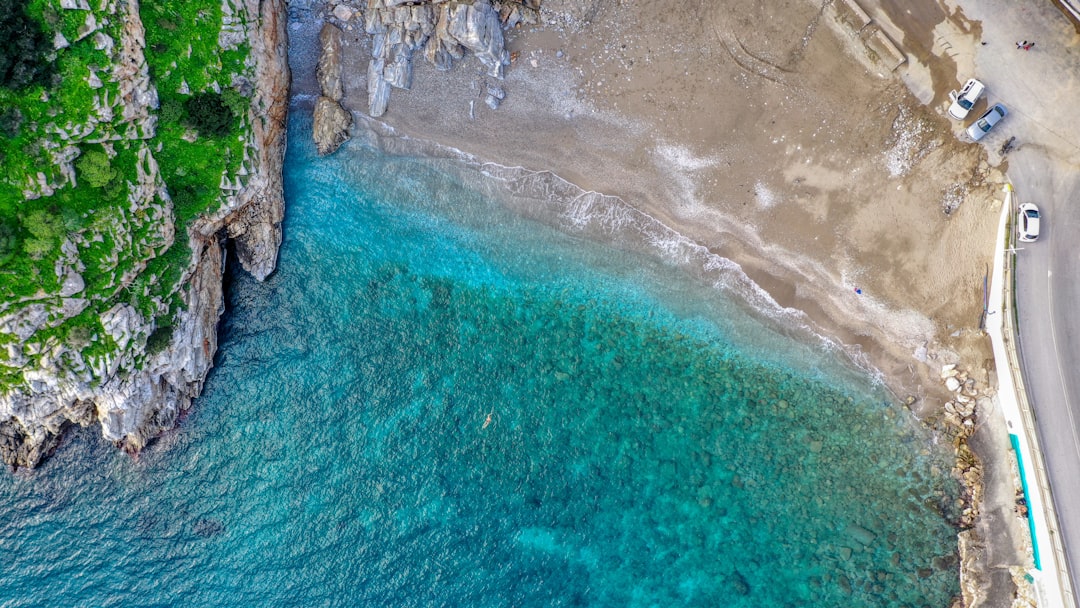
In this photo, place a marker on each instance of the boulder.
(329, 69)
(73, 284)
(343, 12)
(331, 125)
(494, 97)
(860, 534)
(477, 28)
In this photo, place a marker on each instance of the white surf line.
(1057, 354)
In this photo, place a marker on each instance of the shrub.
(187, 198)
(46, 229)
(10, 121)
(9, 242)
(160, 338)
(94, 167)
(79, 336)
(171, 110)
(209, 114)
(235, 101)
(25, 48)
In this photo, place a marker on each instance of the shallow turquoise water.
(435, 402)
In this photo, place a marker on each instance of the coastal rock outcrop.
(137, 408)
(331, 122)
(328, 71)
(982, 576)
(331, 125)
(137, 390)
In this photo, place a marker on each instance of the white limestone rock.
(477, 28)
(73, 284)
(89, 26)
(343, 12)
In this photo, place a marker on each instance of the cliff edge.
(147, 356)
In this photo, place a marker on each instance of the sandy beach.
(762, 133)
(773, 136)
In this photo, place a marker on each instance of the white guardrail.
(1050, 577)
(1071, 7)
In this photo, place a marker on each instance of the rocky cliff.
(136, 394)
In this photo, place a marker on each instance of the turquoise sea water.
(436, 402)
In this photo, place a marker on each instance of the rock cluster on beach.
(960, 414)
(441, 30)
(961, 418)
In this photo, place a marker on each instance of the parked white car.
(987, 121)
(1027, 223)
(963, 101)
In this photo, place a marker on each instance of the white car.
(1027, 223)
(963, 101)
(987, 121)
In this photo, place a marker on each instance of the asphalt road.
(1048, 304)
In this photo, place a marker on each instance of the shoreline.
(883, 331)
(576, 107)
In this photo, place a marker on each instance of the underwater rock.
(860, 534)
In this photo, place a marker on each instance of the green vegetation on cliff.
(117, 130)
(24, 55)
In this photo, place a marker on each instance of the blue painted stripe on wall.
(1023, 482)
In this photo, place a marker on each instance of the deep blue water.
(437, 402)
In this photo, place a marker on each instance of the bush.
(160, 338)
(187, 198)
(10, 121)
(235, 101)
(209, 114)
(46, 229)
(9, 242)
(23, 54)
(171, 110)
(94, 167)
